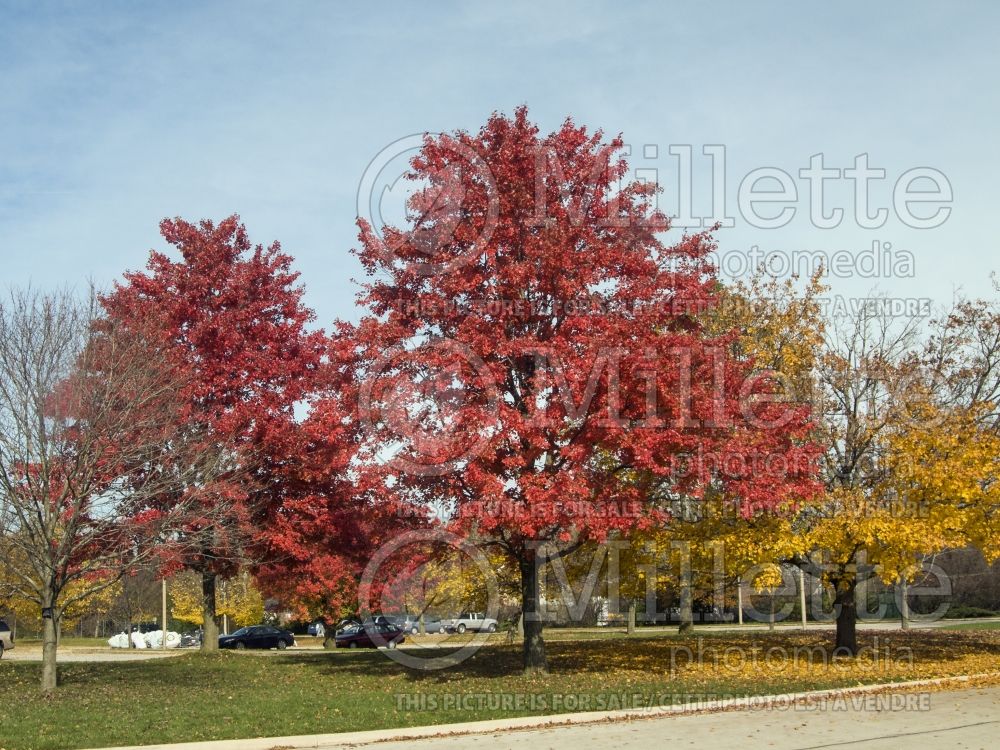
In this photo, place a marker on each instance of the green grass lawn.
(992, 625)
(229, 695)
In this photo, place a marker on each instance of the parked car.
(411, 623)
(350, 622)
(258, 636)
(317, 629)
(191, 640)
(702, 613)
(432, 625)
(472, 621)
(6, 638)
(712, 614)
(406, 623)
(369, 635)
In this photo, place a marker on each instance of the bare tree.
(868, 362)
(867, 372)
(964, 352)
(83, 406)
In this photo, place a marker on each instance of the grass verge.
(229, 695)
(993, 625)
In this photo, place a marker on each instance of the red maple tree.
(336, 509)
(534, 361)
(231, 316)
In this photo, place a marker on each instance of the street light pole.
(163, 613)
(904, 604)
(802, 595)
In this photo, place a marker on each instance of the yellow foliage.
(780, 326)
(96, 594)
(935, 490)
(451, 582)
(237, 598)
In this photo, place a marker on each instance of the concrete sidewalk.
(857, 716)
(954, 720)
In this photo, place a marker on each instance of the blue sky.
(114, 115)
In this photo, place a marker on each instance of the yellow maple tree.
(238, 599)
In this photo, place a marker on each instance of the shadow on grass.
(586, 659)
(655, 654)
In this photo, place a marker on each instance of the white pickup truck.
(472, 621)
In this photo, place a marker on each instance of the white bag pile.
(145, 640)
(155, 639)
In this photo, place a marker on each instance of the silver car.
(6, 638)
(472, 621)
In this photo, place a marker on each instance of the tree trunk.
(631, 617)
(847, 618)
(50, 644)
(534, 645)
(686, 613)
(904, 605)
(209, 619)
(421, 626)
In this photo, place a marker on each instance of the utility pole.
(802, 596)
(163, 613)
(739, 600)
(904, 605)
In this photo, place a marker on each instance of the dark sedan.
(369, 635)
(257, 636)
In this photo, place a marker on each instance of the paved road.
(91, 653)
(68, 655)
(954, 720)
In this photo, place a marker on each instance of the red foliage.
(336, 511)
(231, 318)
(534, 353)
